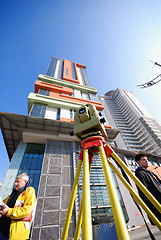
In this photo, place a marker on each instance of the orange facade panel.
(72, 120)
(67, 72)
(52, 88)
(67, 120)
(78, 65)
(98, 105)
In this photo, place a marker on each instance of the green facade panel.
(65, 83)
(51, 102)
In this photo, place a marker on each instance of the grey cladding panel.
(54, 169)
(36, 234)
(52, 190)
(66, 174)
(42, 186)
(45, 165)
(52, 203)
(50, 218)
(54, 179)
(48, 233)
(67, 160)
(55, 161)
(66, 192)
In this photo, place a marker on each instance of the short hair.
(139, 156)
(23, 176)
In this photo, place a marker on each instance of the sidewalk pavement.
(141, 233)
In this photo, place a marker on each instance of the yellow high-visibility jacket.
(20, 229)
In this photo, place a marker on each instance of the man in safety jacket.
(16, 217)
(150, 181)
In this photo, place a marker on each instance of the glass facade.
(32, 163)
(73, 71)
(100, 202)
(38, 110)
(44, 92)
(93, 97)
(51, 68)
(86, 77)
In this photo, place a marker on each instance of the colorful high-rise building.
(40, 145)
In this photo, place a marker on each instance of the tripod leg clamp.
(90, 156)
(108, 151)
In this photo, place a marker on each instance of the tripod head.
(88, 123)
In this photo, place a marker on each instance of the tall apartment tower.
(139, 133)
(139, 130)
(40, 144)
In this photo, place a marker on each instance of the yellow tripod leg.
(121, 229)
(71, 202)
(133, 193)
(86, 224)
(79, 221)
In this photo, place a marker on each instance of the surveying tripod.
(91, 146)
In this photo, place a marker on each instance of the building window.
(44, 92)
(73, 71)
(93, 97)
(58, 114)
(32, 163)
(85, 96)
(38, 110)
(86, 77)
(72, 113)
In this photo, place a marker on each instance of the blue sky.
(114, 38)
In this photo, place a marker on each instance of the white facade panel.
(139, 108)
(65, 113)
(80, 76)
(77, 93)
(56, 69)
(72, 114)
(85, 96)
(51, 113)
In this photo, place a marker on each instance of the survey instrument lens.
(82, 110)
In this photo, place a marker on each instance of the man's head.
(21, 181)
(142, 160)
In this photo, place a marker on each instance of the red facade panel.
(52, 88)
